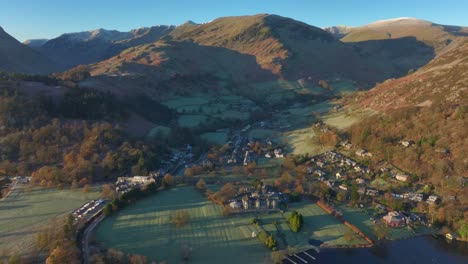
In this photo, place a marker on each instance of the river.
(421, 250)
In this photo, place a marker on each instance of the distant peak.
(189, 22)
(396, 20)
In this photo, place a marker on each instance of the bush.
(268, 240)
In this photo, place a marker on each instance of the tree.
(295, 221)
(168, 180)
(349, 235)
(380, 230)
(201, 185)
(107, 209)
(188, 172)
(180, 218)
(354, 194)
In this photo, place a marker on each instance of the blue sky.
(25, 19)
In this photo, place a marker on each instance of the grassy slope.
(437, 36)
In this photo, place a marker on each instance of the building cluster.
(125, 184)
(253, 200)
(88, 209)
(243, 150)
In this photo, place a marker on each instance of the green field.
(24, 212)
(212, 237)
(218, 138)
(197, 108)
(319, 225)
(302, 141)
(191, 120)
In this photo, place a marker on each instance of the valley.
(245, 139)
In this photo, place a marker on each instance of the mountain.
(17, 57)
(338, 31)
(434, 35)
(88, 47)
(35, 43)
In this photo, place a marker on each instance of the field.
(23, 213)
(198, 108)
(343, 120)
(211, 236)
(319, 225)
(218, 138)
(302, 141)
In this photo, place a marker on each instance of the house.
(402, 177)
(360, 181)
(279, 153)
(320, 164)
(394, 219)
(361, 152)
(433, 199)
(407, 143)
(372, 192)
(319, 173)
(348, 146)
(235, 205)
(343, 187)
(338, 175)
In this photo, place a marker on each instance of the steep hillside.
(288, 48)
(87, 47)
(17, 57)
(429, 107)
(434, 35)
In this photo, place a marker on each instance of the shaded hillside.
(17, 57)
(87, 47)
(175, 67)
(434, 35)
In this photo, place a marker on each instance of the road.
(86, 234)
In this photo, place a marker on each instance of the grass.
(159, 130)
(24, 212)
(319, 225)
(343, 120)
(261, 133)
(218, 138)
(191, 120)
(302, 141)
(211, 236)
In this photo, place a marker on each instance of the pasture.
(218, 138)
(24, 212)
(211, 237)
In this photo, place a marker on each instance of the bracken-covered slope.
(288, 48)
(430, 107)
(17, 57)
(443, 80)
